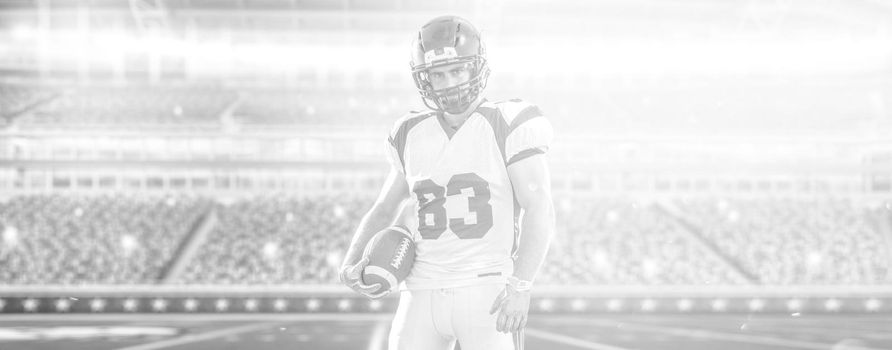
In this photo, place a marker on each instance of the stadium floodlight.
(10, 236)
(578, 305)
(334, 258)
(345, 305)
(794, 305)
(648, 305)
(614, 305)
(63, 305)
(313, 304)
(684, 305)
(190, 305)
(756, 305)
(221, 305)
(97, 305)
(734, 216)
(814, 259)
(128, 244)
(131, 305)
(270, 250)
(602, 261)
(873, 304)
(30, 304)
(280, 304)
(650, 268)
(546, 304)
(719, 305)
(375, 305)
(832, 304)
(159, 305)
(612, 216)
(251, 305)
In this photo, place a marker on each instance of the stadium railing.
(185, 299)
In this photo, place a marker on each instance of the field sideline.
(369, 331)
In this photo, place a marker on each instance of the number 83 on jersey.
(433, 218)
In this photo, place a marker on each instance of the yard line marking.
(379, 336)
(568, 340)
(846, 332)
(765, 324)
(841, 325)
(724, 336)
(192, 338)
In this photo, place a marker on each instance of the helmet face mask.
(448, 41)
(457, 98)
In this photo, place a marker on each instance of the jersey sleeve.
(530, 134)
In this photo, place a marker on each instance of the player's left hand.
(513, 307)
(351, 275)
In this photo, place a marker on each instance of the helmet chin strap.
(459, 106)
(470, 108)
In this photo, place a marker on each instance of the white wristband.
(519, 284)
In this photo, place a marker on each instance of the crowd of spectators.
(704, 105)
(340, 107)
(623, 242)
(135, 106)
(92, 240)
(15, 99)
(302, 240)
(699, 106)
(139, 105)
(794, 241)
(278, 240)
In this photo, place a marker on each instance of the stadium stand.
(630, 108)
(175, 105)
(623, 242)
(15, 99)
(334, 107)
(92, 240)
(277, 241)
(794, 241)
(132, 106)
(285, 240)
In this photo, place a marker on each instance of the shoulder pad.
(517, 110)
(408, 116)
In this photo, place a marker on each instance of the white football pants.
(434, 319)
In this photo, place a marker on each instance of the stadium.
(188, 174)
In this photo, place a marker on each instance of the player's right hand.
(351, 275)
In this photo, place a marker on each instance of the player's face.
(449, 76)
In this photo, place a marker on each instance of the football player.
(474, 173)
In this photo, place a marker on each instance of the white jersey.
(466, 224)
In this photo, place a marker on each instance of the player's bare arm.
(531, 180)
(382, 214)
